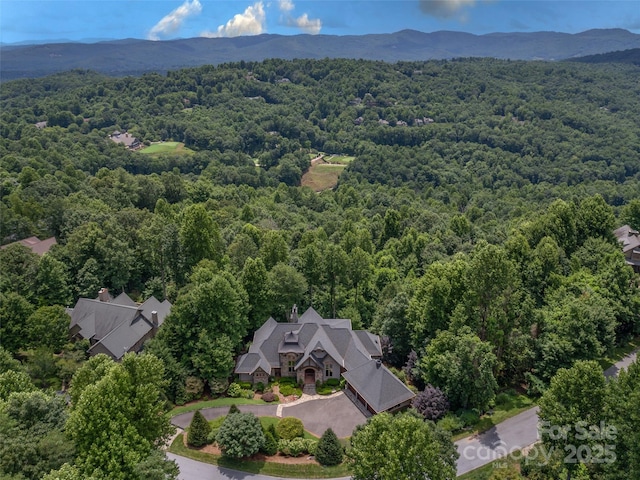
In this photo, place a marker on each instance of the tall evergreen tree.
(329, 451)
(199, 430)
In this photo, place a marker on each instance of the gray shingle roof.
(348, 348)
(117, 325)
(378, 386)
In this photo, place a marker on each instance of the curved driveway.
(317, 414)
(513, 434)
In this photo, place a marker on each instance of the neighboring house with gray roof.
(115, 326)
(630, 242)
(37, 246)
(314, 349)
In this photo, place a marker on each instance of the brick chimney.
(103, 295)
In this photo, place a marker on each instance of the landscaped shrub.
(310, 445)
(193, 387)
(288, 381)
(296, 446)
(432, 403)
(245, 385)
(324, 389)
(333, 382)
(287, 390)
(268, 397)
(240, 435)
(259, 387)
(289, 428)
(218, 385)
(233, 409)
(451, 423)
(234, 390)
(248, 394)
(329, 451)
(198, 430)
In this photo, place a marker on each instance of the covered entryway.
(309, 376)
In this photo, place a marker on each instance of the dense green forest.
(473, 230)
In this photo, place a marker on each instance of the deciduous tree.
(401, 447)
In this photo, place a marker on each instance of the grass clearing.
(267, 468)
(166, 147)
(218, 402)
(322, 176)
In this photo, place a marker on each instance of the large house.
(115, 326)
(311, 349)
(132, 143)
(630, 242)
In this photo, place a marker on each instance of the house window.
(328, 370)
(292, 366)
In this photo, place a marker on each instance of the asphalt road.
(511, 435)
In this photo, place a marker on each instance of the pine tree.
(270, 444)
(233, 409)
(198, 430)
(329, 451)
(272, 430)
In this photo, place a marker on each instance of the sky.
(40, 21)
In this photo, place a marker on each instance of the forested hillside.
(473, 228)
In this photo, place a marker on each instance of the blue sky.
(52, 20)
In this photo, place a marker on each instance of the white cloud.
(306, 24)
(285, 5)
(303, 22)
(249, 22)
(173, 21)
(444, 8)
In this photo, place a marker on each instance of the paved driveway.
(337, 412)
(183, 420)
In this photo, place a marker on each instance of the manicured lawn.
(510, 405)
(166, 147)
(266, 468)
(218, 402)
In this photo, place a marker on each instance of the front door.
(309, 375)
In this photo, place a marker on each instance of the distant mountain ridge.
(134, 57)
